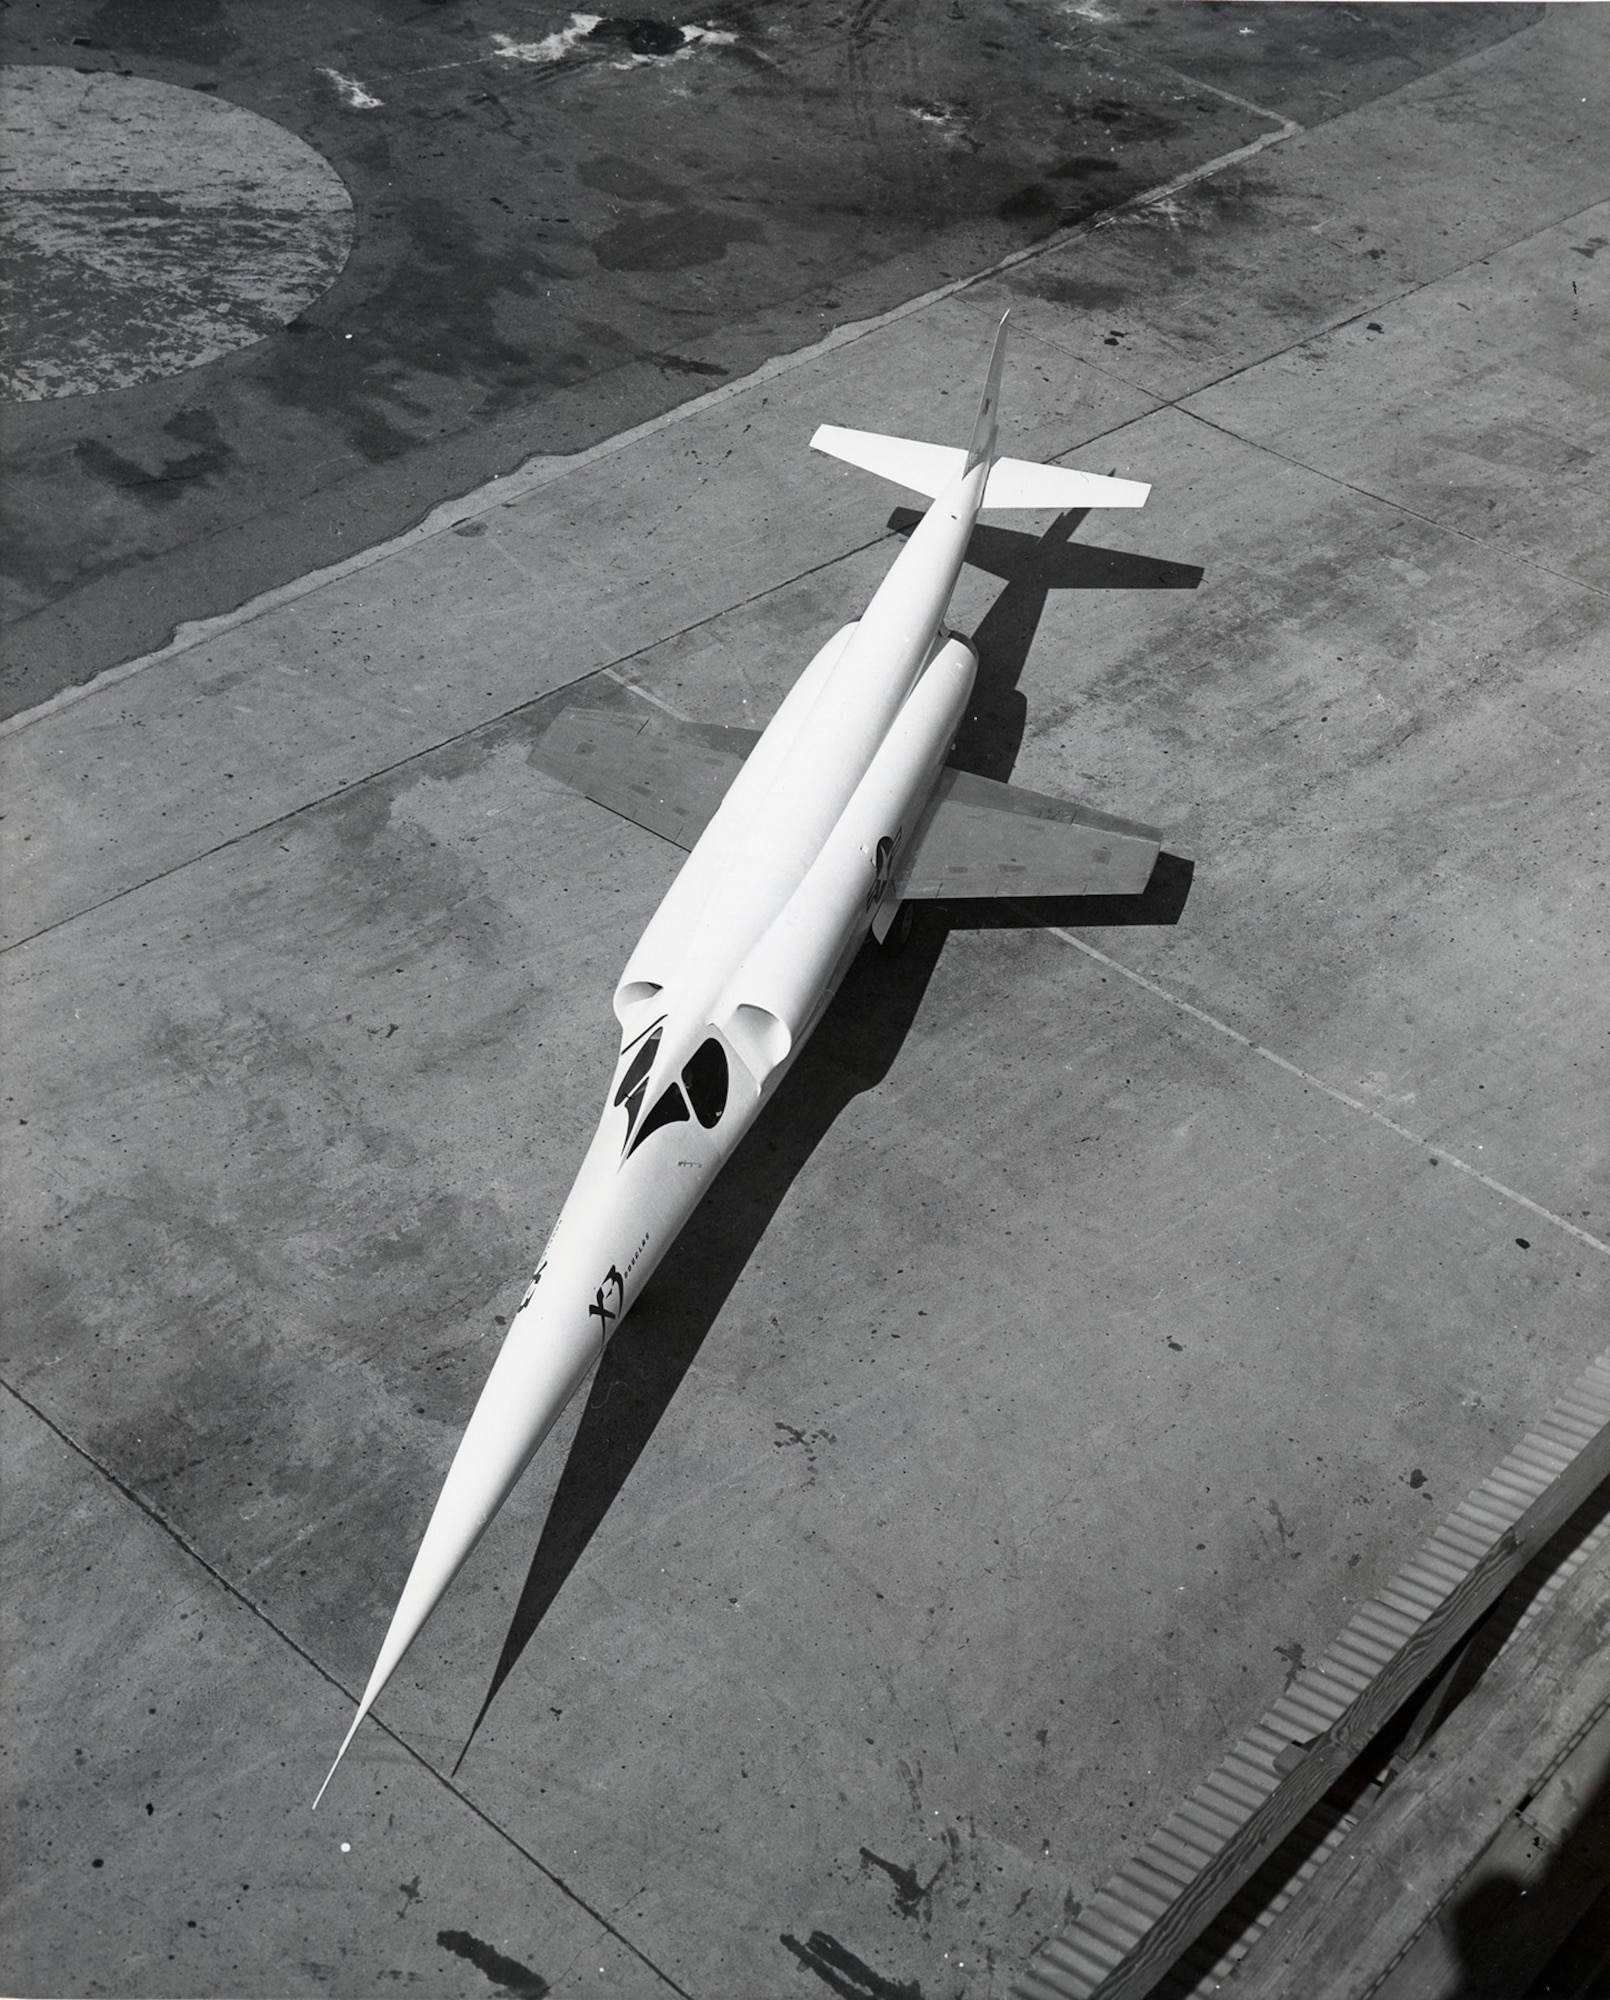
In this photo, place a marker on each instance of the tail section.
(981, 446)
(924, 468)
(1012, 482)
(1017, 482)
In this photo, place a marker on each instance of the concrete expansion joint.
(1288, 127)
(610, 670)
(160, 1521)
(1493, 551)
(1356, 1104)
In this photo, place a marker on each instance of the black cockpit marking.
(637, 1070)
(672, 1109)
(635, 1081)
(705, 1080)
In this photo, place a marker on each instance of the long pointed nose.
(547, 1352)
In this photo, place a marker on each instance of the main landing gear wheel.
(899, 934)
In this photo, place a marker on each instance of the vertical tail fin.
(1010, 482)
(981, 446)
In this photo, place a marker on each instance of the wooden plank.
(1547, 1696)
(1203, 1972)
(1116, 1949)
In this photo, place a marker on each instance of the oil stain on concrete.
(507, 1974)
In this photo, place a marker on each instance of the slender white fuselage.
(736, 967)
(752, 938)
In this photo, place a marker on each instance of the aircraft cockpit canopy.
(704, 1085)
(705, 1080)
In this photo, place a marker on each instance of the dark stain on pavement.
(807, 1440)
(671, 240)
(508, 1975)
(1087, 294)
(191, 31)
(209, 454)
(1083, 167)
(375, 365)
(1030, 204)
(397, 881)
(1133, 123)
(641, 34)
(912, 1898)
(627, 180)
(667, 232)
(851, 1978)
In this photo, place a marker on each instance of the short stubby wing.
(666, 776)
(989, 839)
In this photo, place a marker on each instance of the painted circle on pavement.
(149, 229)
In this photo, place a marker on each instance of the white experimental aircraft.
(803, 842)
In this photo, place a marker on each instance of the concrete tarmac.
(1100, 1311)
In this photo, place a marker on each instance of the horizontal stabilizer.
(924, 468)
(668, 777)
(1016, 482)
(1013, 482)
(988, 839)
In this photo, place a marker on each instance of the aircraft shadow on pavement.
(1056, 563)
(853, 1049)
(1162, 901)
(992, 733)
(1032, 566)
(644, 1364)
